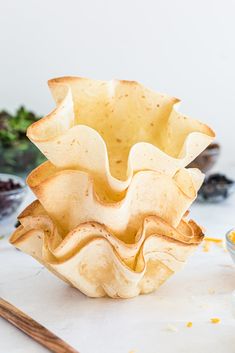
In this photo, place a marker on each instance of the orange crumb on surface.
(206, 246)
(189, 324)
(215, 320)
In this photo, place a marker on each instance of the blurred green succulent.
(13, 127)
(17, 154)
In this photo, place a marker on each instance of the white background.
(185, 48)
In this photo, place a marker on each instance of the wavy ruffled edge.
(158, 249)
(64, 130)
(149, 193)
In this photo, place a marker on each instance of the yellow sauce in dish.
(232, 236)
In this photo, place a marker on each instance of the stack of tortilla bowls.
(113, 197)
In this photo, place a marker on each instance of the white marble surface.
(199, 292)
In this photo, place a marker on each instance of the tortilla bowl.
(72, 197)
(91, 258)
(113, 129)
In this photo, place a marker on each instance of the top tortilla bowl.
(112, 129)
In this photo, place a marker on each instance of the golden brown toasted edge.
(208, 130)
(196, 231)
(34, 209)
(68, 79)
(195, 239)
(41, 173)
(32, 131)
(20, 236)
(44, 174)
(164, 230)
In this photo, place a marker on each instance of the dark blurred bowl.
(216, 188)
(207, 159)
(12, 199)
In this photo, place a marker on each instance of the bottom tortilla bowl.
(96, 262)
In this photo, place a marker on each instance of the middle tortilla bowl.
(71, 197)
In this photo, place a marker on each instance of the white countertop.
(153, 323)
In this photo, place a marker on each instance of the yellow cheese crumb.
(215, 320)
(232, 236)
(214, 240)
(206, 246)
(211, 291)
(207, 242)
(172, 328)
(189, 324)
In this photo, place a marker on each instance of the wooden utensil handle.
(33, 329)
